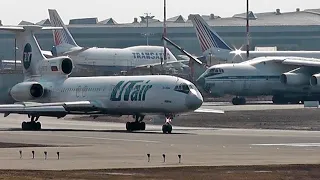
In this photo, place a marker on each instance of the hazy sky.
(13, 11)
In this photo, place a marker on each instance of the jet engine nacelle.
(27, 91)
(290, 78)
(58, 65)
(315, 80)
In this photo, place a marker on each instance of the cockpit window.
(214, 71)
(184, 88)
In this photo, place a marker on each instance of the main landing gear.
(239, 101)
(32, 125)
(137, 125)
(167, 127)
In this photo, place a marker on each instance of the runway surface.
(252, 106)
(99, 145)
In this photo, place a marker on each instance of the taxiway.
(101, 145)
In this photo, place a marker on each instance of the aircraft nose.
(201, 81)
(194, 101)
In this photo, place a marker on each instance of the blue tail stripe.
(214, 38)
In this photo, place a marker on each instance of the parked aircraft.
(212, 44)
(287, 79)
(111, 60)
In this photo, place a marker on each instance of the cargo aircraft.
(287, 79)
(47, 90)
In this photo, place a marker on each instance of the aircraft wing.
(307, 62)
(172, 63)
(75, 52)
(47, 54)
(59, 109)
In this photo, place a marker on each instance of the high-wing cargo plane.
(211, 43)
(47, 90)
(287, 79)
(112, 60)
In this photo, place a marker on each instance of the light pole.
(248, 32)
(147, 17)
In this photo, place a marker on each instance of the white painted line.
(291, 144)
(87, 137)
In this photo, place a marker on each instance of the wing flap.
(59, 109)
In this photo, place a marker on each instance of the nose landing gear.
(167, 127)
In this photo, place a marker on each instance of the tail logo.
(27, 56)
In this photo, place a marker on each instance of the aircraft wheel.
(142, 126)
(129, 126)
(167, 128)
(242, 101)
(24, 126)
(37, 126)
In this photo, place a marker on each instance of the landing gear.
(137, 125)
(239, 101)
(167, 127)
(280, 99)
(31, 125)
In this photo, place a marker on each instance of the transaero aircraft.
(288, 79)
(47, 90)
(112, 60)
(211, 43)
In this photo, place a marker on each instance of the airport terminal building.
(297, 30)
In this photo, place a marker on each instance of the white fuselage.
(250, 79)
(240, 56)
(115, 60)
(125, 94)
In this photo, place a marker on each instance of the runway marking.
(89, 137)
(110, 139)
(291, 144)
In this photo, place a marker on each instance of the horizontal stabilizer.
(27, 28)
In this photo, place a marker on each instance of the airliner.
(110, 60)
(212, 44)
(287, 79)
(47, 90)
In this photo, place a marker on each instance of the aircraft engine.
(290, 78)
(315, 80)
(27, 91)
(58, 65)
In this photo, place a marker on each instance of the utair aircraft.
(110, 60)
(211, 43)
(47, 90)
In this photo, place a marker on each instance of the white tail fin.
(63, 39)
(29, 50)
(207, 37)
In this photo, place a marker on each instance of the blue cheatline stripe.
(243, 77)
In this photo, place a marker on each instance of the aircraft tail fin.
(63, 39)
(29, 50)
(208, 38)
